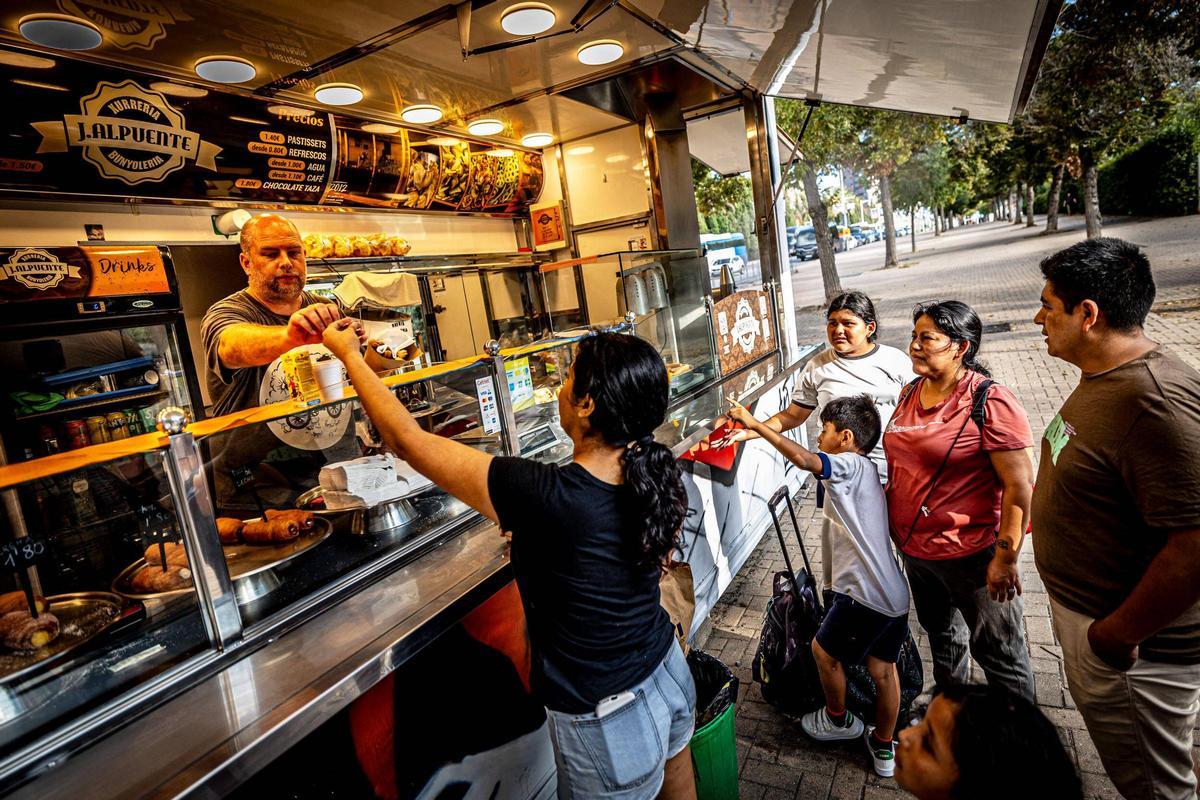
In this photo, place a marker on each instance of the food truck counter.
(212, 655)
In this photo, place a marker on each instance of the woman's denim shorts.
(621, 755)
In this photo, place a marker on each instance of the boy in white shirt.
(868, 617)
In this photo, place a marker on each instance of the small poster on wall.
(549, 231)
(743, 324)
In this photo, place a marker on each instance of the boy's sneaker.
(819, 726)
(883, 755)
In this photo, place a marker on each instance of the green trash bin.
(714, 750)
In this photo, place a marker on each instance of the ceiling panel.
(928, 56)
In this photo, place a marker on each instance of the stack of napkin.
(369, 481)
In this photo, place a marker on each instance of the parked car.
(804, 243)
(734, 262)
(843, 239)
(863, 233)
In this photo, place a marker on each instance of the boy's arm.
(798, 455)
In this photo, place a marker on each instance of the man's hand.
(1118, 654)
(308, 324)
(344, 338)
(1003, 578)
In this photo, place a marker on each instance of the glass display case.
(306, 497)
(78, 544)
(667, 293)
(534, 375)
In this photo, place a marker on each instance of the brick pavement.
(994, 268)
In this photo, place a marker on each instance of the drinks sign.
(44, 273)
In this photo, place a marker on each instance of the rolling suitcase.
(783, 664)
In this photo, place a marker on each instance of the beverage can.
(149, 423)
(98, 430)
(117, 426)
(133, 422)
(49, 440)
(77, 434)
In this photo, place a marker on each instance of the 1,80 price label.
(24, 552)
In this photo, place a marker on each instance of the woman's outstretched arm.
(460, 470)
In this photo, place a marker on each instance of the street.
(994, 268)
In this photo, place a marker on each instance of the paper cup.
(331, 377)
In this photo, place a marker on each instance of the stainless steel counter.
(207, 740)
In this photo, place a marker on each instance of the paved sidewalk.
(994, 268)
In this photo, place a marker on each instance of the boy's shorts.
(851, 631)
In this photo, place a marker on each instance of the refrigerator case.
(92, 345)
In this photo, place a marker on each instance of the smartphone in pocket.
(612, 703)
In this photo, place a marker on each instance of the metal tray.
(81, 616)
(245, 562)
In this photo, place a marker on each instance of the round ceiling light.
(423, 114)
(60, 32)
(444, 141)
(499, 152)
(225, 69)
(485, 127)
(581, 150)
(527, 19)
(338, 94)
(601, 51)
(380, 127)
(537, 140)
(178, 89)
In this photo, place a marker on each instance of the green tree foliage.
(1112, 70)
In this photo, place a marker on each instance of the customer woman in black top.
(588, 542)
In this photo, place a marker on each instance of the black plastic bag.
(716, 686)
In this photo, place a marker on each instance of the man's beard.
(283, 291)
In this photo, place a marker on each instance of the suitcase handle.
(782, 495)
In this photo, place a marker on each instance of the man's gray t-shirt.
(235, 389)
(860, 546)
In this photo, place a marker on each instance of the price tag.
(21, 553)
(242, 477)
(156, 523)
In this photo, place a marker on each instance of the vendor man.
(249, 329)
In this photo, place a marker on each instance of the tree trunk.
(1052, 199)
(1014, 206)
(1029, 197)
(889, 225)
(912, 226)
(820, 222)
(937, 220)
(1091, 198)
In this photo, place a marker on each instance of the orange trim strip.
(93, 455)
(574, 262)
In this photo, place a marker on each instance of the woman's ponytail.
(627, 381)
(652, 475)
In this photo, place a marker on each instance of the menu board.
(87, 129)
(52, 273)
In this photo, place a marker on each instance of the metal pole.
(504, 404)
(198, 528)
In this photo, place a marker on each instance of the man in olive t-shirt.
(1116, 515)
(249, 329)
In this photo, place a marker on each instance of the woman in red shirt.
(958, 501)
